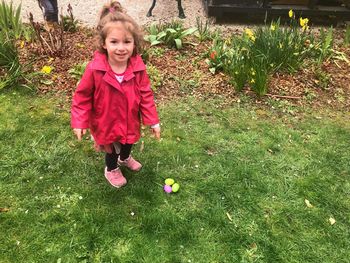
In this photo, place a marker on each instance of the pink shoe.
(130, 163)
(115, 177)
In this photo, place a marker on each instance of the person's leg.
(111, 160)
(50, 10)
(55, 10)
(181, 10)
(149, 13)
(125, 151)
(112, 172)
(125, 159)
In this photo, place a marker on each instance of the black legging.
(50, 10)
(112, 158)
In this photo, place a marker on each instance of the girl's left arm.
(147, 106)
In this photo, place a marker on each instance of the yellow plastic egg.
(169, 181)
(175, 187)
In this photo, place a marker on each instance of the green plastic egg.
(175, 187)
(169, 181)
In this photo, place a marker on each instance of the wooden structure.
(339, 9)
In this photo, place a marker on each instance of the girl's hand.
(79, 133)
(156, 132)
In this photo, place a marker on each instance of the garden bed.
(185, 72)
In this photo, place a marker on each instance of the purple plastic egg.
(167, 189)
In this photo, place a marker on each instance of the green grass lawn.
(244, 179)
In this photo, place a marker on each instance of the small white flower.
(132, 213)
(80, 197)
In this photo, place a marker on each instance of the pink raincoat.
(112, 110)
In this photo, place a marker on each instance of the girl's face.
(119, 44)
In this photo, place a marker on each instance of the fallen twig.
(283, 97)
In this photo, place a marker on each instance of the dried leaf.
(4, 209)
(142, 146)
(308, 204)
(229, 216)
(331, 221)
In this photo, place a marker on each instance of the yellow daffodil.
(22, 44)
(291, 13)
(303, 22)
(252, 81)
(273, 27)
(79, 45)
(46, 70)
(250, 34)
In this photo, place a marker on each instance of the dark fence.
(339, 9)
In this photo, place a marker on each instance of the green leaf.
(46, 82)
(156, 42)
(178, 43)
(161, 35)
(171, 30)
(189, 31)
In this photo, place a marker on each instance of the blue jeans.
(50, 10)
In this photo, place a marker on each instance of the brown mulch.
(185, 72)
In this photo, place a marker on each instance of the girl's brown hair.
(113, 12)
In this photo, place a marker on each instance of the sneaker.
(115, 177)
(130, 163)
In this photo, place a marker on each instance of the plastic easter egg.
(167, 189)
(169, 181)
(175, 187)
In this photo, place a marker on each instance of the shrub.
(283, 48)
(50, 43)
(258, 53)
(171, 34)
(324, 46)
(69, 22)
(155, 77)
(12, 73)
(217, 54)
(203, 30)
(78, 70)
(10, 20)
(237, 63)
(347, 35)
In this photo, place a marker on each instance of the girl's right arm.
(82, 104)
(79, 133)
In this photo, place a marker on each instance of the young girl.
(114, 93)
